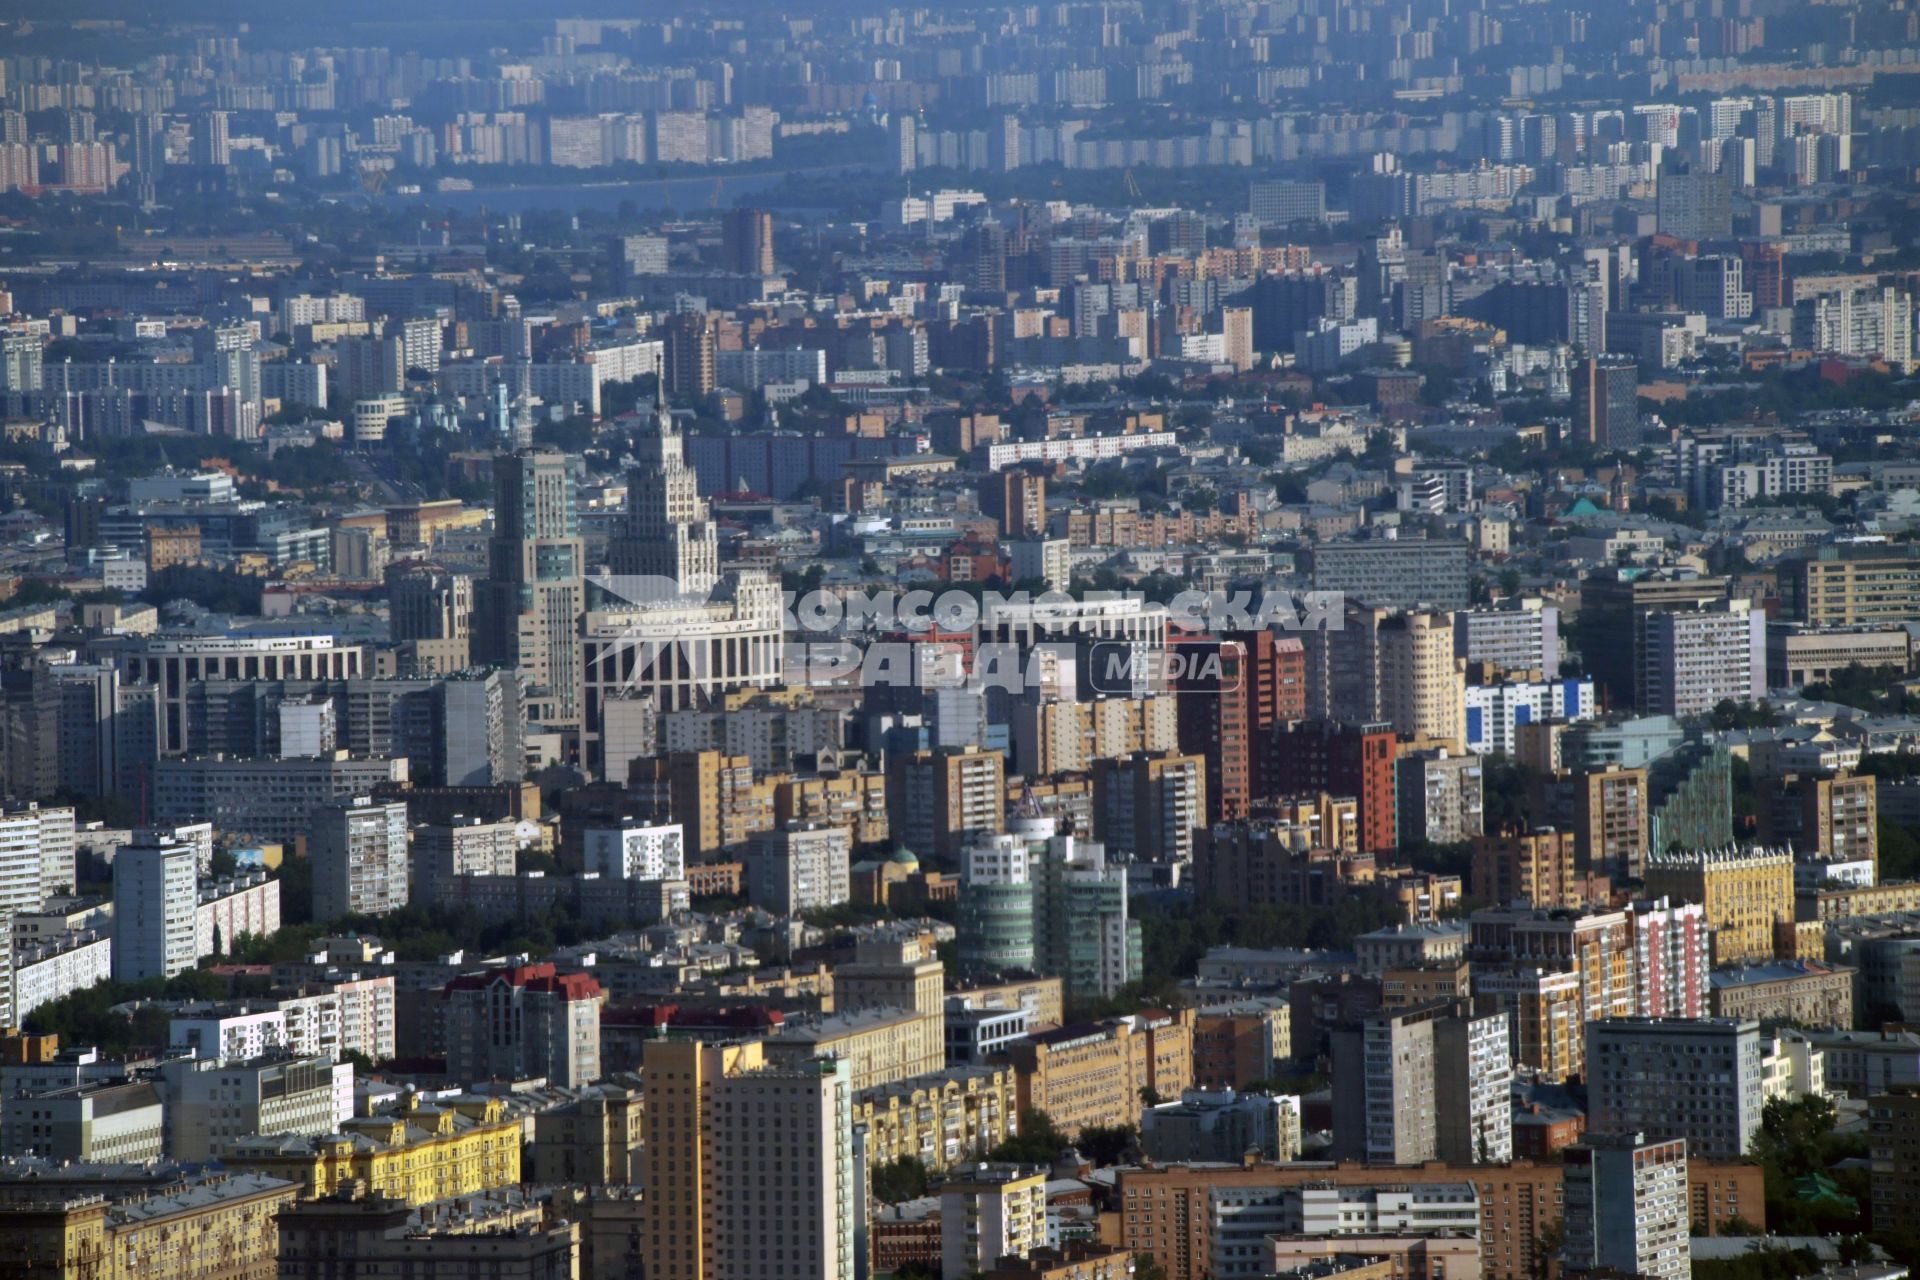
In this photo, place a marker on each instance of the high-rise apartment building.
(524, 1021)
(1692, 202)
(1627, 1207)
(1610, 821)
(1520, 634)
(746, 241)
(1146, 806)
(688, 355)
(527, 614)
(799, 866)
(359, 855)
(1606, 403)
(1693, 659)
(718, 1117)
(1315, 757)
(155, 897)
(634, 850)
(368, 368)
(1671, 958)
(1697, 1079)
(940, 800)
(989, 1212)
(1426, 1083)
(1439, 797)
(1533, 867)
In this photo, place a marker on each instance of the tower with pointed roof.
(666, 532)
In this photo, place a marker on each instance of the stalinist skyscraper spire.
(666, 533)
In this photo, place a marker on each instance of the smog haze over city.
(1149, 640)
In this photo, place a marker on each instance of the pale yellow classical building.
(421, 1153)
(221, 1228)
(941, 1120)
(1745, 892)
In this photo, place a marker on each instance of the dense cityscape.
(1153, 640)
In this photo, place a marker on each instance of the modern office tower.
(799, 866)
(938, 801)
(1395, 574)
(665, 534)
(1147, 805)
(634, 850)
(1610, 820)
(359, 855)
(1692, 202)
(1427, 1083)
(710, 1140)
(1606, 403)
(155, 897)
(367, 368)
(430, 613)
(528, 611)
(175, 664)
(1697, 1079)
(996, 928)
(1038, 900)
(1519, 634)
(1439, 797)
(1744, 893)
(1693, 659)
(1853, 585)
(746, 241)
(524, 1021)
(1628, 1209)
(989, 1212)
(689, 358)
(1534, 867)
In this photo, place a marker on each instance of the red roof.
(533, 977)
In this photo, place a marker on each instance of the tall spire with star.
(667, 532)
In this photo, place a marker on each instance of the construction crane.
(713, 201)
(1133, 188)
